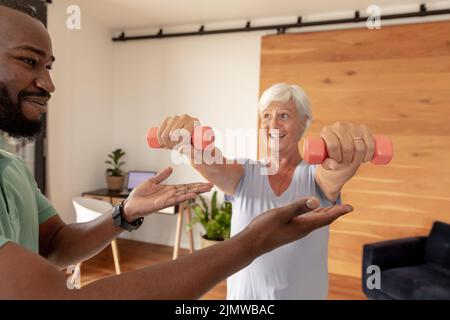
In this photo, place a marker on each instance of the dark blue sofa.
(411, 268)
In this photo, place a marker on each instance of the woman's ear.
(303, 123)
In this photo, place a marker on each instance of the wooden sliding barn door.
(397, 81)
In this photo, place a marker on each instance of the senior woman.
(297, 270)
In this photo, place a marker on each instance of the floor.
(135, 255)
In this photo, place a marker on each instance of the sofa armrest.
(391, 254)
(394, 253)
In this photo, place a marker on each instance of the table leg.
(178, 232)
(191, 233)
(115, 251)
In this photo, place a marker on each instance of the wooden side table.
(182, 210)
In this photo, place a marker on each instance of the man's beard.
(12, 120)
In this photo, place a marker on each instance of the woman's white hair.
(283, 92)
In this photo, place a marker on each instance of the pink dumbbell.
(315, 152)
(201, 138)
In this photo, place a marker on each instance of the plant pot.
(207, 243)
(115, 183)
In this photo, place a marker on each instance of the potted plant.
(216, 220)
(114, 175)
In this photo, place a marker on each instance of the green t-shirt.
(22, 205)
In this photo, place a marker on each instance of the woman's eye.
(267, 116)
(284, 116)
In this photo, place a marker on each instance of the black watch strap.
(120, 221)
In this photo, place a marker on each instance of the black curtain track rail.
(281, 28)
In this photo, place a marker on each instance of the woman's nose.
(274, 123)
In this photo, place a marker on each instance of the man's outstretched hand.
(151, 195)
(279, 226)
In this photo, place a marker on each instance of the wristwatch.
(120, 221)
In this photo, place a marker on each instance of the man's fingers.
(298, 207)
(180, 191)
(162, 175)
(193, 187)
(199, 190)
(180, 199)
(323, 217)
(199, 187)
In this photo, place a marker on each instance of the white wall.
(80, 112)
(215, 78)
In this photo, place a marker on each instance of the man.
(35, 243)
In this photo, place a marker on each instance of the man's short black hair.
(21, 6)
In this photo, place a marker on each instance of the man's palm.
(152, 196)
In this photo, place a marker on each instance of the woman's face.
(290, 125)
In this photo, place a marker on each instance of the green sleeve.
(45, 208)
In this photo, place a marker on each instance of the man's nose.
(44, 82)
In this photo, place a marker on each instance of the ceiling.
(132, 14)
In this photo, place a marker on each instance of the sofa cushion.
(437, 249)
(424, 281)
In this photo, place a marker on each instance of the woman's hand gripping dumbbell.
(347, 145)
(315, 150)
(173, 130)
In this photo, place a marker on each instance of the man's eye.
(29, 61)
(267, 116)
(284, 116)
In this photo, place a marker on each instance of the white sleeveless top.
(297, 270)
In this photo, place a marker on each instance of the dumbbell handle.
(315, 151)
(201, 138)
